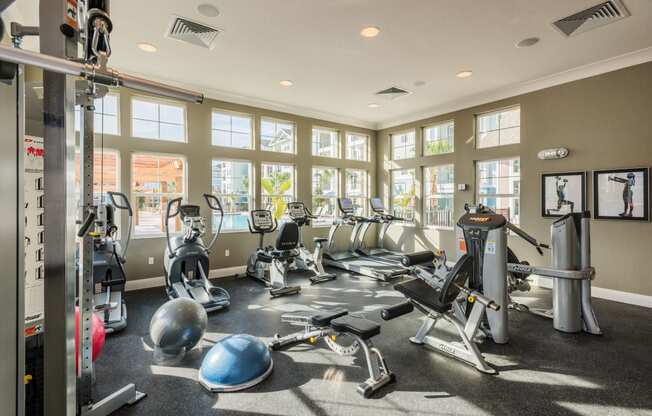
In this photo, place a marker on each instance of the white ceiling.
(316, 44)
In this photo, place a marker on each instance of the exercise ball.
(177, 327)
(98, 336)
(235, 363)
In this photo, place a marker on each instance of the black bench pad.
(423, 293)
(364, 328)
(324, 318)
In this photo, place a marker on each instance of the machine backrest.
(288, 236)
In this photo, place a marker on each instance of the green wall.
(605, 121)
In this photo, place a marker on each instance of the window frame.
(478, 196)
(251, 195)
(425, 141)
(159, 102)
(338, 144)
(111, 92)
(367, 191)
(347, 134)
(134, 195)
(232, 113)
(338, 192)
(391, 194)
(391, 144)
(276, 121)
(493, 112)
(426, 196)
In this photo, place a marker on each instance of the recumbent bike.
(270, 264)
(186, 259)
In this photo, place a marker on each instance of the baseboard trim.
(604, 293)
(160, 280)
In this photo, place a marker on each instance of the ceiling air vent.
(192, 32)
(392, 93)
(596, 16)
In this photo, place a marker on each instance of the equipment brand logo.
(479, 219)
(447, 349)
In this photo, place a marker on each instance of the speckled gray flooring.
(541, 371)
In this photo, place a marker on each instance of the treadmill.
(351, 259)
(379, 217)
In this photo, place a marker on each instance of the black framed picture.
(622, 194)
(563, 193)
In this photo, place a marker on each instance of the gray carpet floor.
(541, 371)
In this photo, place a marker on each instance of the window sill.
(278, 153)
(321, 226)
(438, 228)
(238, 231)
(151, 236)
(231, 147)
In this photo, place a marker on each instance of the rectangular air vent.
(191, 32)
(596, 16)
(392, 93)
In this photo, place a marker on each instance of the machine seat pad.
(364, 328)
(322, 240)
(423, 293)
(324, 318)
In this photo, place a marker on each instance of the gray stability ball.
(177, 327)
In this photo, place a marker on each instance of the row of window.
(157, 179)
(496, 128)
(165, 121)
(498, 187)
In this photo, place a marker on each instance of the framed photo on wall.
(622, 194)
(563, 193)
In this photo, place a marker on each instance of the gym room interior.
(346, 207)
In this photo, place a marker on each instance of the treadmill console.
(346, 205)
(377, 205)
(296, 210)
(261, 220)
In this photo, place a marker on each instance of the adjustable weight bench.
(332, 326)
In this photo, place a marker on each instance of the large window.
(499, 128)
(232, 185)
(231, 130)
(324, 195)
(357, 189)
(499, 187)
(403, 145)
(106, 173)
(277, 135)
(438, 194)
(107, 115)
(325, 142)
(155, 120)
(155, 180)
(357, 147)
(403, 193)
(438, 139)
(277, 187)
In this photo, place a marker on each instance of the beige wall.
(605, 121)
(199, 153)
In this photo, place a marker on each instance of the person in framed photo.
(628, 192)
(560, 185)
(562, 193)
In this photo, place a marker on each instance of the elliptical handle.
(213, 203)
(172, 202)
(124, 205)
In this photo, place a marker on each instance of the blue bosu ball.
(235, 363)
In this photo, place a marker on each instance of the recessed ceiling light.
(370, 32)
(373, 105)
(464, 74)
(526, 43)
(286, 83)
(147, 47)
(208, 10)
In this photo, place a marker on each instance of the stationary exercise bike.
(186, 259)
(305, 260)
(270, 264)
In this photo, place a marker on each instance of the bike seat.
(364, 328)
(320, 240)
(423, 293)
(324, 318)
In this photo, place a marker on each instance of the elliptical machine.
(186, 259)
(270, 264)
(109, 277)
(305, 260)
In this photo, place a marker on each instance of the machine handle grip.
(86, 225)
(415, 259)
(213, 202)
(396, 310)
(177, 202)
(493, 306)
(124, 201)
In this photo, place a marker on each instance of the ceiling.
(316, 44)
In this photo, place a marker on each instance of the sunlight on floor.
(547, 378)
(598, 409)
(183, 372)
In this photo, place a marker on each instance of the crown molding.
(585, 71)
